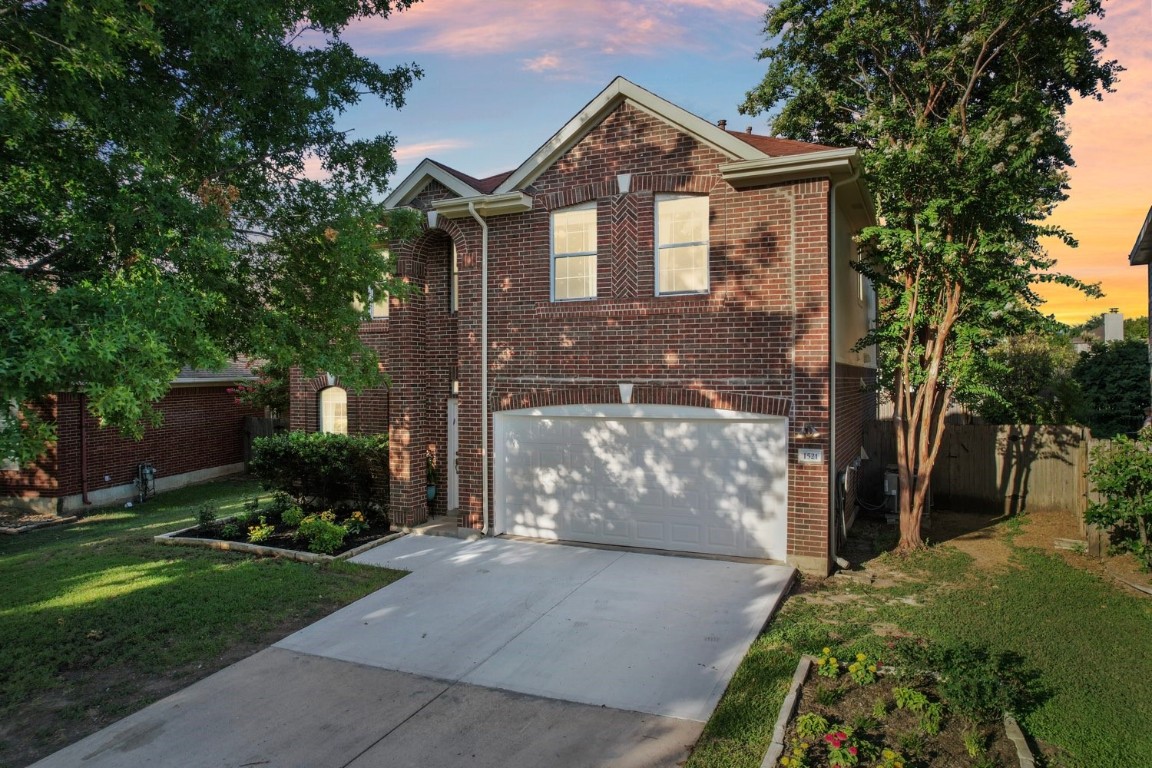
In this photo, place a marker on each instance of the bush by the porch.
(321, 470)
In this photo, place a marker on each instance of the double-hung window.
(681, 244)
(574, 253)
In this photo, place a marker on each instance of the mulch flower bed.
(851, 714)
(286, 538)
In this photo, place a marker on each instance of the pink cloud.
(405, 152)
(475, 27)
(546, 63)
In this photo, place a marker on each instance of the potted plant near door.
(431, 477)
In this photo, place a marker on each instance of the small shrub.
(880, 709)
(980, 685)
(280, 503)
(1122, 474)
(910, 699)
(206, 514)
(252, 506)
(829, 697)
(811, 726)
(262, 531)
(973, 742)
(932, 718)
(322, 533)
(230, 529)
(292, 516)
(318, 468)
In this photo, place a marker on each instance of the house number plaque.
(811, 455)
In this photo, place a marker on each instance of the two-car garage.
(664, 477)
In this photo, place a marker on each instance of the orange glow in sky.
(1111, 185)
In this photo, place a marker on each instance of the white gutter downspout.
(483, 359)
(832, 345)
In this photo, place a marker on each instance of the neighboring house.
(664, 353)
(201, 436)
(1141, 255)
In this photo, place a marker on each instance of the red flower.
(852, 751)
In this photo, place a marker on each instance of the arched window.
(334, 410)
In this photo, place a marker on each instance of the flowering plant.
(862, 670)
(890, 759)
(827, 665)
(798, 757)
(842, 750)
(356, 523)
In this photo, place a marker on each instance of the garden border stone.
(175, 539)
(14, 530)
(776, 748)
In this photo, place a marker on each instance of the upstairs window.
(334, 410)
(681, 244)
(574, 253)
(377, 307)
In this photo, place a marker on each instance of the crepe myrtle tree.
(958, 110)
(174, 191)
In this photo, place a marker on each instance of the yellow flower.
(860, 657)
(784, 761)
(821, 662)
(871, 667)
(832, 660)
(827, 651)
(805, 745)
(798, 752)
(888, 754)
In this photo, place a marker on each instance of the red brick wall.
(203, 428)
(759, 339)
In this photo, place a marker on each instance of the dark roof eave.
(1142, 250)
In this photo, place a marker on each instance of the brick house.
(663, 357)
(201, 437)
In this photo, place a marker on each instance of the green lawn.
(97, 621)
(1086, 641)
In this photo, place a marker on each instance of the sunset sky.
(501, 77)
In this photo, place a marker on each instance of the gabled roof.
(428, 171)
(751, 159)
(1142, 250)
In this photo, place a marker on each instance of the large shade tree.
(958, 108)
(174, 190)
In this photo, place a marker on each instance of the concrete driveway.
(491, 653)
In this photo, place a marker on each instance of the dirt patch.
(978, 536)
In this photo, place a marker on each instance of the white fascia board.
(618, 91)
(833, 163)
(485, 205)
(415, 182)
(1142, 250)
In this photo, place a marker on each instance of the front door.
(453, 476)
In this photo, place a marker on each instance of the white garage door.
(665, 477)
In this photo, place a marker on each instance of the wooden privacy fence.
(998, 469)
(258, 426)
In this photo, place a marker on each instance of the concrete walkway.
(490, 653)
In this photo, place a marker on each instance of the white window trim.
(552, 255)
(454, 282)
(658, 246)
